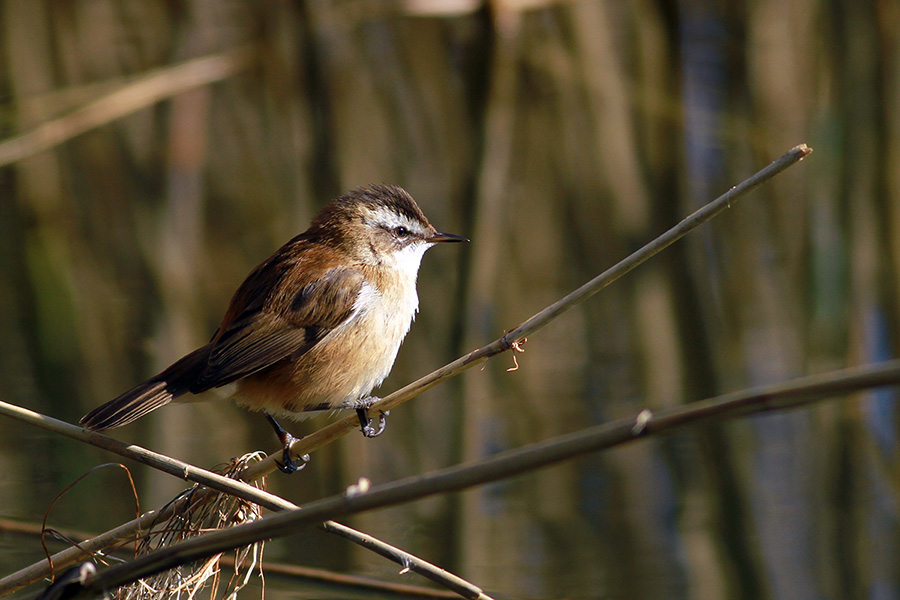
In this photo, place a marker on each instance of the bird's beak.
(445, 237)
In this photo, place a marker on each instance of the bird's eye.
(401, 231)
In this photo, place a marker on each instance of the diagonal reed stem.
(337, 429)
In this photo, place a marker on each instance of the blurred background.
(158, 150)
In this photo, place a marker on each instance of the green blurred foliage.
(558, 136)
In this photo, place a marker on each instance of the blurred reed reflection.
(559, 137)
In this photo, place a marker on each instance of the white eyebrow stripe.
(391, 220)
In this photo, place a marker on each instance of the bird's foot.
(288, 464)
(362, 411)
(366, 423)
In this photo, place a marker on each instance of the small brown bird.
(316, 326)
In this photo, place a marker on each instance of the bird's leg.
(288, 465)
(362, 411)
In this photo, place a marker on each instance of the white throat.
(408, 258)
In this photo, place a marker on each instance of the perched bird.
(316, 326)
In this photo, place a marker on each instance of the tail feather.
(149, 395)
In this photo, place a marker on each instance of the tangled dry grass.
(205, 511)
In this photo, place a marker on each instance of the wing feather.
(282, 329)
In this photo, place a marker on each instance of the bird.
(316, 326)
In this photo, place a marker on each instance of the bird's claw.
(366, 423)
(289, 465)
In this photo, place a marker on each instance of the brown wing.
(283, 308)
(267, 324)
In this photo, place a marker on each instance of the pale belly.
(343, 367)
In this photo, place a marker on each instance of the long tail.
(149, 395)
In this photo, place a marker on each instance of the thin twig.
(213, 481)
(774, 397)
(156, 460)
(146, 90)
(33, 530)
(337, 429)
(688, 224)
(69, 556)
(358, 582)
